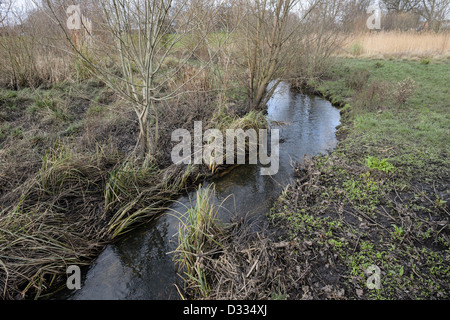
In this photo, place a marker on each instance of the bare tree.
(266, 30)
(353, 14)
(140, 36)
(313, 45)
(26, 59)
(399, 6)
(434, 12)
(5, 7)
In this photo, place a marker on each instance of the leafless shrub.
(375, 96)
(315, 41)
(358, 79)
(27, 56)
(403, 91)
(268, 46)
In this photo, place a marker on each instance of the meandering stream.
(139, 266)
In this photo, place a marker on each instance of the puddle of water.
(139, 266)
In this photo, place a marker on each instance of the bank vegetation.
(89, 97)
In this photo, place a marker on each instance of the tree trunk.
(143, 145)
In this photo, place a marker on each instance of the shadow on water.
(139, 266)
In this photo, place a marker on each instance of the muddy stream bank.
(139, 267)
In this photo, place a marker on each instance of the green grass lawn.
(417, 136)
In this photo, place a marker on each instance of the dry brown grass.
(399, 44)
(26, 63)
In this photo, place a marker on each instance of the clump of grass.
(378, 65)
(358, 79)
(133, 194)
(171, 62)
(7, 131)
(197, 240)
(49, 105)
(228, 261)
(72, 207)
(54, 222)
(357, 49)
(254, 120)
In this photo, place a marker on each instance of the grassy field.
(381, 198)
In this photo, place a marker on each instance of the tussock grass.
(55, 222)
(135, 195)
(197, 234)
(229, 261)
(253, 120)
(72, 207)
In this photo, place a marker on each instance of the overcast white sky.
(20, 3)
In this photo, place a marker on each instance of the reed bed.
(403, 44)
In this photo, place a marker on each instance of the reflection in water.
(123, 270)
(139, 266)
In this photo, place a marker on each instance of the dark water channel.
(139, 266)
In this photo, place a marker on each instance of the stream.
(138, 266)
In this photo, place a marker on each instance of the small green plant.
(356, 49)
(7, 95)
(277, 296)
(425, 61)
(440, 203)
(398, 232)
(365, 193)
(378, 65)
(382, 165)
(43, 102)
(95, 109)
